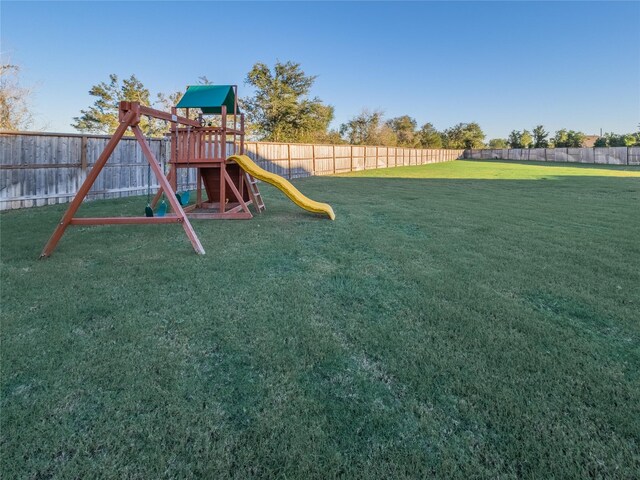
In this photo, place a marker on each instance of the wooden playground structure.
(213, 145)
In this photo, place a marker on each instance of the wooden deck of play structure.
(195, 144)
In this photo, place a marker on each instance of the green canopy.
(209, 98)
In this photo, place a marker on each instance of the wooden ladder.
(254, 192)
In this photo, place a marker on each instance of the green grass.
(464, 319)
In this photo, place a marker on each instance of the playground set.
(213, 145)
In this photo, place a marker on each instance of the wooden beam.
(169, 117)
(220, 216)
(236, 192)
(124, 220)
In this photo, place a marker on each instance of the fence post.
(289, 159)
(334, 159)
(313, 159)
(351, 158)
(364, 162)
(83, 153)
(594, 156)
(376, 157)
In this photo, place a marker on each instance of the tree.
(498, 143)
(515, 139)
(280, 109)
(614, 140)
(331, 137)
(404, 128)
(540, 137)
(429, 137)
(570, 139)
(367, 128)
(15, 110)
(464, 135)
(601, 142)
(102, 116)
(521, 139)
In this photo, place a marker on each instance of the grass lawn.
(464, 319)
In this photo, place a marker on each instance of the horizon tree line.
(283, 110)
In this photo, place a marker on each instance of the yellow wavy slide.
(287, 188)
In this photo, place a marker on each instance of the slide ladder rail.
(254, 192)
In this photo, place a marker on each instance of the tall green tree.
(281, 110)
(464, 135)
(429, 137)
(526, 139)
(515, 139)
(520, 139)
(498, 143)
(567, 138)
(540, 137)
(102, 116)
(367, 128)
(404, 128)
(601, 142)
(615, 140)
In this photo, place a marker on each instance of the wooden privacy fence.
(47, 168)
(599, 155)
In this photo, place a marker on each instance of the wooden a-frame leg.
(169, 192)
(86, 186)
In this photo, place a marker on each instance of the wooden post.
(594, 155)
(223, 155)
(242, 136)
(351, 159)
(289, 159)
(364, 162)
(313, 159)
(83, 153)
(334, 159)
(198, 188)
(376, 157)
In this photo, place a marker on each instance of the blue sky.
(506, 65)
